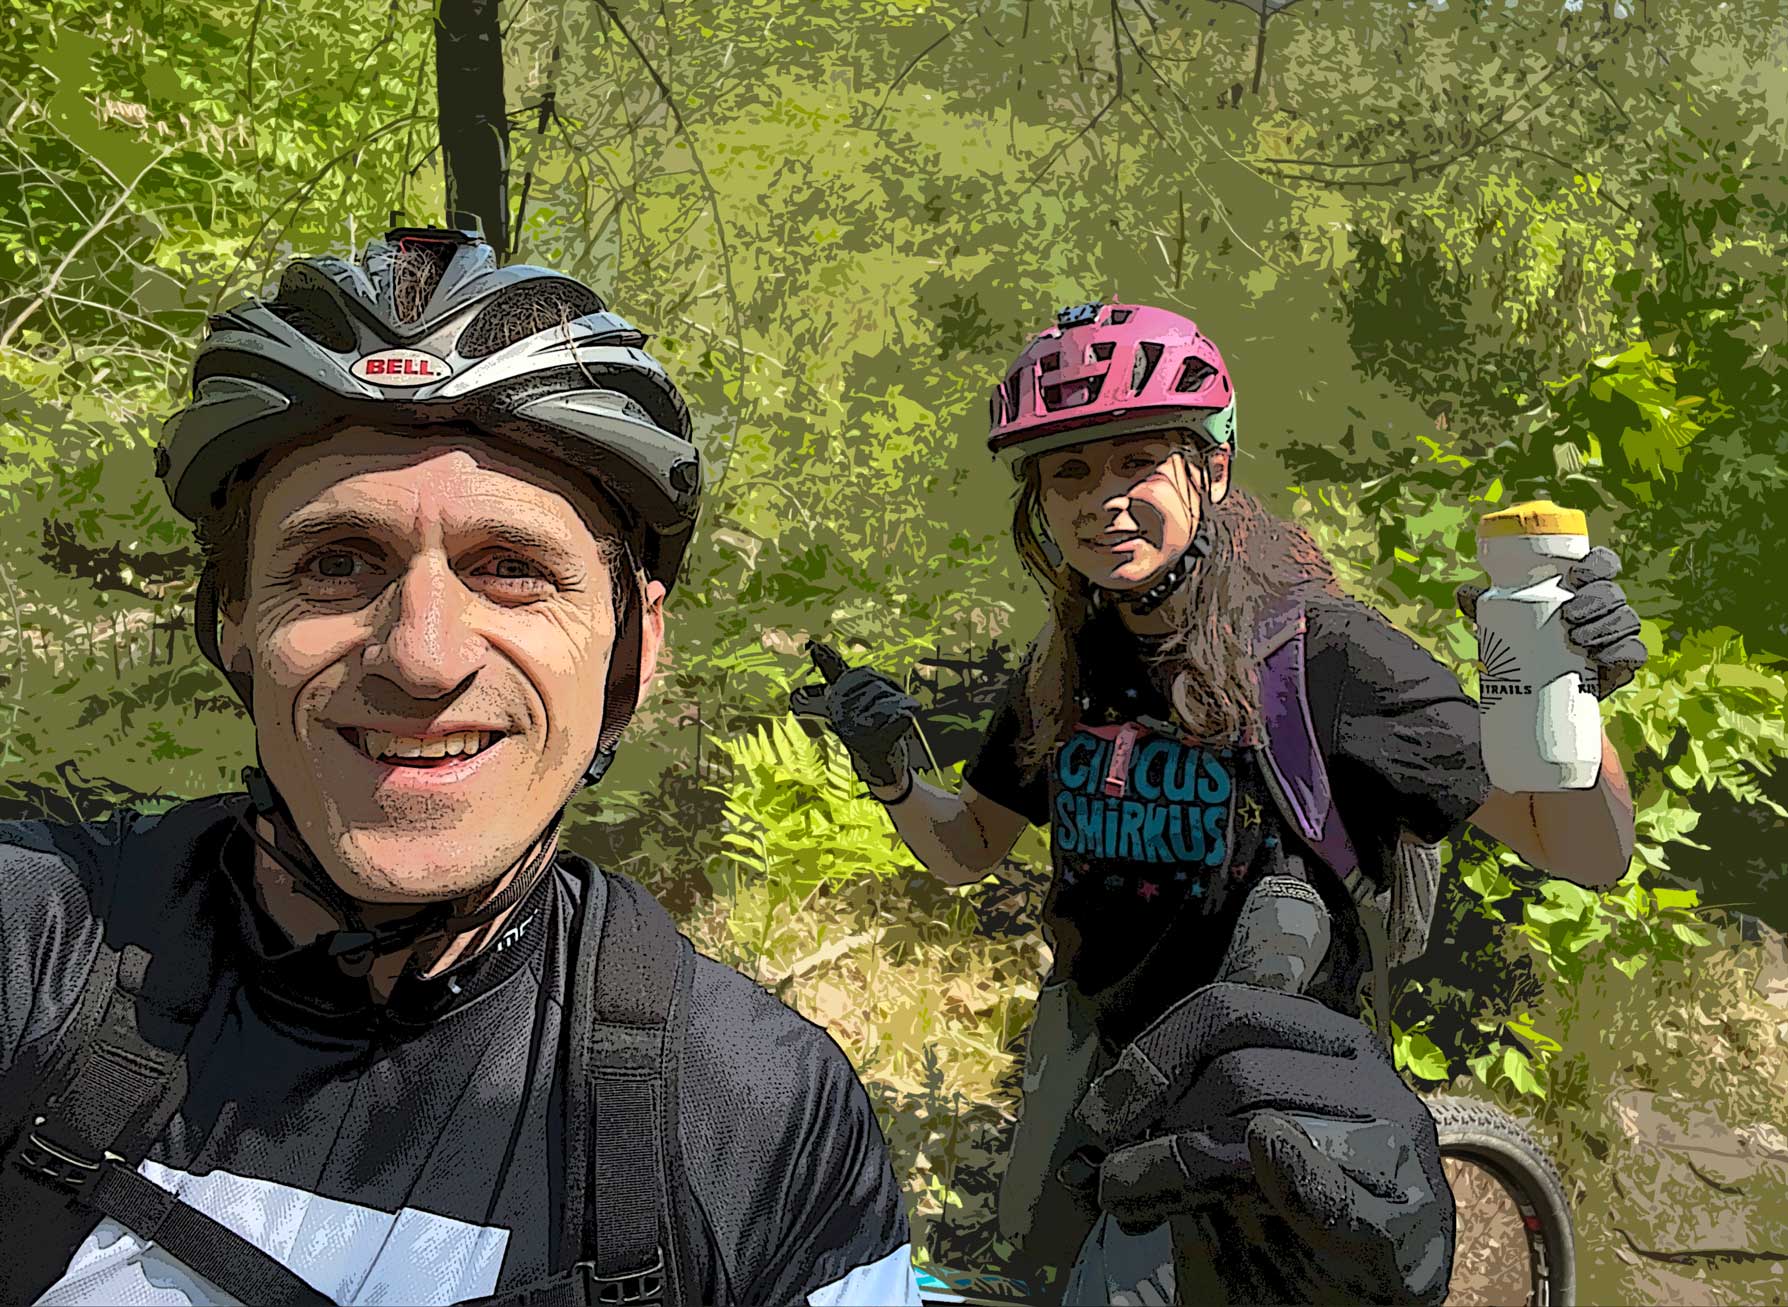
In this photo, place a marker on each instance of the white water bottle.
(1542, 725)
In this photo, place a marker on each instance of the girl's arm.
(959, 837)
(1582, 835)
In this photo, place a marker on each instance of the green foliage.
(1417, 1054)
(796, 823)
(1704, 714)
(1455, 255)
(1629, 403)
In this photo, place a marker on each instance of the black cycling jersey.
(1155, 840)
(407, 1152)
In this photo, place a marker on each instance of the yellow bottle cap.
(1537, 517)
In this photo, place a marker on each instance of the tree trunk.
(474, 126)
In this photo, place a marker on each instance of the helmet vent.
(305, 305)
(525, 311)
(1073, 394)
(1120, 316)
(1012, 396)
(416, 269)
(329, 330)
(1193, 374)
(1102, 351)
(1148, 356)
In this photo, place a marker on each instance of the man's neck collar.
(304, 920)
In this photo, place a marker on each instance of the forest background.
(1455, 253)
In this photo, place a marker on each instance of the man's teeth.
(383, 744)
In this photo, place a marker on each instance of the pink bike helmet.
(1110, 370)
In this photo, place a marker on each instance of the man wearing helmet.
(1220, 1140)
(368, 1033)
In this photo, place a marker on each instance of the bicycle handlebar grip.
(1280, 938)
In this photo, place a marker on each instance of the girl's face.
(1124, 510)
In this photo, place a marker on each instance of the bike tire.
(1497, 1141)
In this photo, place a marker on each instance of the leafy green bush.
(796, 822)
(1704, 714)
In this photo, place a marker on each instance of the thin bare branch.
(920, 58)
(403, 185)
(726, 257)
(254, 33)
(298, 197)
(545, 120)
(179, 341)
(367, 58)
(1601, 191)
(1117, 94)
(56, 277)
(515, 18)
(1436, 160)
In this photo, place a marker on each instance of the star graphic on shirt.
(1148, 889)
(1249, 810)
(1196, 890)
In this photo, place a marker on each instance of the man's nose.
(430, 646)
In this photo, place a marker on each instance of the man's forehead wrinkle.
(323, 517)
(529, 526)
(460, 490)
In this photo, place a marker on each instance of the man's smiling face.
(429, 627)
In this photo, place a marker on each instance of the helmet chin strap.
(1176, 576)
(355, 943)
(1199, 546)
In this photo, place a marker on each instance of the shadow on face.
(1122, 511)
(429, 627)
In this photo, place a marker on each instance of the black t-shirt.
(408, 1153)
(1155, 839)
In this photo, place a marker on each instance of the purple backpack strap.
(1295, 769)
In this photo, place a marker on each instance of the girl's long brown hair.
(1255, 558)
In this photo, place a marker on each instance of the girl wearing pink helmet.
(1208, 1138)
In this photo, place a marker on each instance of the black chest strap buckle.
(639, 1288)
(46, 1162)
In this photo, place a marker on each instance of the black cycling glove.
(1277, 1134)
(1598, 619)
(869, 712)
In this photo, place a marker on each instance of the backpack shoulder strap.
(643, 973)
(1298, 777)
(95, 1099)
(625, 1222)
(1295, 770)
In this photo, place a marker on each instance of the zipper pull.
(1117, 774)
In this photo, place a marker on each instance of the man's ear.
(1216, 465)
(651, 634)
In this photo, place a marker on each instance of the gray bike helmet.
(426, 329)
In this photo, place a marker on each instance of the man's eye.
(336, 566)
(520, 577)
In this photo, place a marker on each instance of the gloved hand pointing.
(870, 713)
